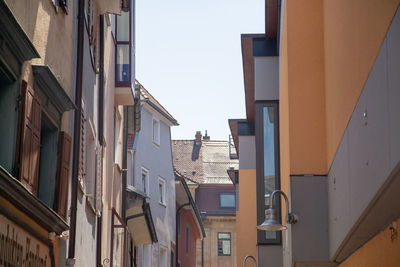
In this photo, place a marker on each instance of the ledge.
(15, 46)
(20, 197)
(49, 85)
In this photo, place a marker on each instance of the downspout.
(176, 231)
(124, 162)
(77, 132)
(101, 127)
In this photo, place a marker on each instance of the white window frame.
(155, 139)
(161, 199)
(146, 188)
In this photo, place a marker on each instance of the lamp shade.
(271, 222)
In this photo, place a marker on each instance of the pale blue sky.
(188, 55)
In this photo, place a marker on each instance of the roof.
(206, 163)
(146, 97)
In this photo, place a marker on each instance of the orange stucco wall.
(246, 217)
(327, 51)
(305, 103)
(379, 251)
(353, 34)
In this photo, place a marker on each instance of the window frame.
(259, 133)
(145, 186)
(162, 201)
(156, 142)
(224, 239)
(129, 43)
(226, 194)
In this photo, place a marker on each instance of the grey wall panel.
(309, 199)
(266, 72)
(247, 150)
(339, 197)
(368, 139)
(270, 256)
(369, 150)
(393, 45)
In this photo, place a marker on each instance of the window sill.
(162, 204)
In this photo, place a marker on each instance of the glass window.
(122, 69)
(161, 188)
(145, 181)
(156, 131)
(224, 244)
(123, 27)
(268, 176)
(227, 200)
(118, 244)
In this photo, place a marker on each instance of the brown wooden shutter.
(82, 153)
(29, 143)
(63, 160)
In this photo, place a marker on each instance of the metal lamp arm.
(290, 217)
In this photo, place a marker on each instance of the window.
(187, 240)
(224, 244)
(123, 68)
(267, 164)
(118, 240)
(146, 255)
(156, 131)
(43, 151)
(145, 181)
(172, 258)
(161, 191)
(227, 200)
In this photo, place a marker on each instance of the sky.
(188, 56)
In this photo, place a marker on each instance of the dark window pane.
(227, 200)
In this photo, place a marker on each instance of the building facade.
(153, 175)
(205, 163)
(319, 126)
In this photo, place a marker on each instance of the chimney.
(206, 137)
(198, 138)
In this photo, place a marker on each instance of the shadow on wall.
(195, 151)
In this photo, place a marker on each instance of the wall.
(187, 220)
(213, 225)
(207, 198)
(246, 216)
(382, 250)
(353, 34)
(158, 160)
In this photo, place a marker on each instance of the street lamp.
(271, 222)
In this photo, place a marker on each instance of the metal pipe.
(77, 129)
(249, 257)
(100, 119)
(176, 231)
(124, 162)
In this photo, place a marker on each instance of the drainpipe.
(101, 127)
(178, 218)
(77, 132)
(124, 162)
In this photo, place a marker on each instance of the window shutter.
(99, 178)
(82, 154)
(29, 143)
(64, 153)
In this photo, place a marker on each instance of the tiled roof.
(207, 163)
(147, 97)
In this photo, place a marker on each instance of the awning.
(138, 218)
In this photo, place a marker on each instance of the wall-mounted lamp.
(271, 222)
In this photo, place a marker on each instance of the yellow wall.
(246, 217)
(379, 251)
(353, 34)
